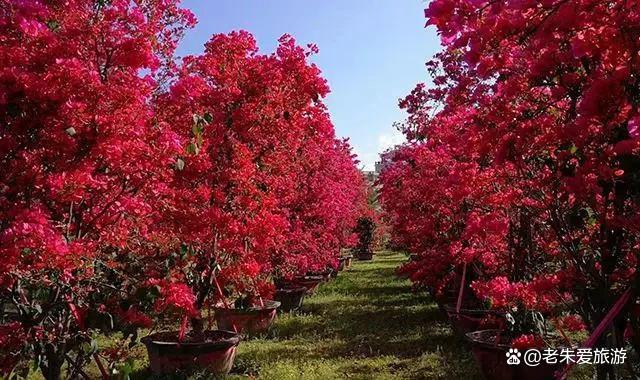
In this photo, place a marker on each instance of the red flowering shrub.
(121, 198)
(262, 185)
(82, 161)
(538, 103)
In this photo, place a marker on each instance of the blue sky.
(371, 52)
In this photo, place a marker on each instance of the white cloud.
(389, 140)
(368, 157)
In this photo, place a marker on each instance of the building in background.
(372, 175)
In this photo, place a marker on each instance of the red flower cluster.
(525, 342)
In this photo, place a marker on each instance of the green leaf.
(197, 130)
(207, 117)
(192, 149)
(53, 25)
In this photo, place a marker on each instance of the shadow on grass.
(366, 314)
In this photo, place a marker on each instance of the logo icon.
(513, 356)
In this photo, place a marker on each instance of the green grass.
(366, 324)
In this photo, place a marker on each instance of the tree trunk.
(197, 325)
(52, 366)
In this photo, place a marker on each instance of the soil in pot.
(469, 320)
(491, 357)
(213, 351)
(251, 321)
(290, 298)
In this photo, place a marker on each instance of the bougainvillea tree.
(543, 95)
(82, 164)
(134, 183)
(330, 195)
(262, 184)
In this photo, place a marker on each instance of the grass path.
(366, 324)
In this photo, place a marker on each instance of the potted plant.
(290, 298)
(310, 283)
(213, 351)
(498, 351)
(78, 185)
(522, 327)
(186, 350)
(247, 316)
(492, 351)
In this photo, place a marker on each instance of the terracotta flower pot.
(365, 256)
(254, 320)
(310, 283)
(326, 275)
(290, 298)
(492, 360)
(213, 351)
(468, 320)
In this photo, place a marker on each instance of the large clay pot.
(365, 256)
(213, 351)
(468, 320)
(253, 320)
(326, 274)
(311, 283)
(492, 360)
(290, 298)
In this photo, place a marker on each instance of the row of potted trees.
(214, 351)
(142, 191)
(517, 191)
